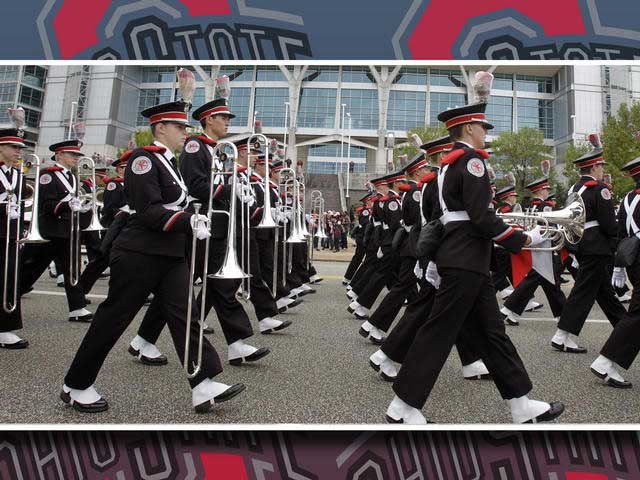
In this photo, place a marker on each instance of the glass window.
(411, 76)
(322, 74)
(198, 98)
(34, 76)
(237, 74)
(500, 113)
(503, 81)
(439, 102)
(270, 106)
(317, 108)
(447, 78)
(363, 106)
(31, 96)
(270, 74)
(357, 75)
(530, 83)
(406, 110)
(7, 92)
(8, 72)
(4, 115)
(150, 97)
(536, 113)
(239, 105)
(159, 74)
(325, 158)
(31, 118)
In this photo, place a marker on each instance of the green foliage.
(143, 137)
(571, 172)
(426, 133)
(621, 145)
(521, 153)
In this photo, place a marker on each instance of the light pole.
(74, 106)
(573, 129)
(343, 106)
(348, 157)
(255, 118)
(286, 126)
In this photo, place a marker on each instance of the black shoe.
(82, 318)
(284, 325)
(554, 412)
(161, 360)
(255, 356)
(317, 280)
(61, 285)
(484, 376)
(228, 394)
(19, 345)
(293, 304)
(99, 406)
(564, 348)
(208, 330)
(313, 290)
(350, 310)
(148, 301)
(394, 421)
(361, 317)
(563, 280)
(612, 382)
(87, 301)
(345, 283)
(509, 321)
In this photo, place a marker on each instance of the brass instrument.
(565, 225)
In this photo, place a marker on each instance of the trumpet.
(559, 227)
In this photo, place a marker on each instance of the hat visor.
(186, 124)
(15, 144)
(487, 125)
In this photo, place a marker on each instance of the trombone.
(559, 227)
(75, 254)
(317, 227)
(33, 234)
(13, 202)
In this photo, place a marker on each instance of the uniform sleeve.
(409, 207)
(476, 198)
(195, 170)
(393, 214)
(605, 213)
(52, 202)
(622, 220)
(145, 198)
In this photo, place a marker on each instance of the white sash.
(632, 227)
(6, 184)
(71, 190)
(178, 178)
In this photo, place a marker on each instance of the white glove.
(619, 277)
(86, 206)
(200, 226)
(379, 254)
(432, 275)
(75, 204)
(288, 215)
(574, 261)
(418, 271)
(536, 237)
(244, 194)
(14, 214)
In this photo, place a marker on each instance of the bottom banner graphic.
(320, 455)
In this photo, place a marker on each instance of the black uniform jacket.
(467, 244)
(9, 178)
(114, 199)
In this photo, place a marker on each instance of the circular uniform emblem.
(475, 167)
(381, 204)
(141, 165)
(111, 186)
(365, 213)
(417, 195)
(289, 201)
(393, 206)
(192, 147)
(45, 179)
(606, 194)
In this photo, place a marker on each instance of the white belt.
(376, 224)
(408, 228)
(591, 224)
(174, 208)
(459, 216)
(385, 226)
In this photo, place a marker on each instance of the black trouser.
(398, 342)
(221, 293)
(592, 283)
(364, 272)
(356, 260)
(92, 271)
(623, 344)
(263, 302)
(385, 275)
(466, 300)
(299, 273)
(265, 256)
(502, 275)
(91, 241)
(525, 291)
(391, 304)
(134, 276)
(37, 258)
(10, 321)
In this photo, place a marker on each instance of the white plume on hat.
(482, 87)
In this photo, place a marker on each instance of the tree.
(621, 143)
(521, 153)
(426, 133)
(143, 137)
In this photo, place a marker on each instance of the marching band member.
(357, 234)
(623, 345)
(501, 277)
(594, 254)
(196, 162)
(11, 145)
(385, 273)
(466, 298)
(405, 287)
(517, 302)
(149, 255)
(58, 198)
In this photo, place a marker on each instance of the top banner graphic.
(327, 30)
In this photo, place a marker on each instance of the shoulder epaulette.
(428, 178)
(154, 149)
(453, 156)
(206, 140)
(405, 188)
(53, 169)
(591, 183)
